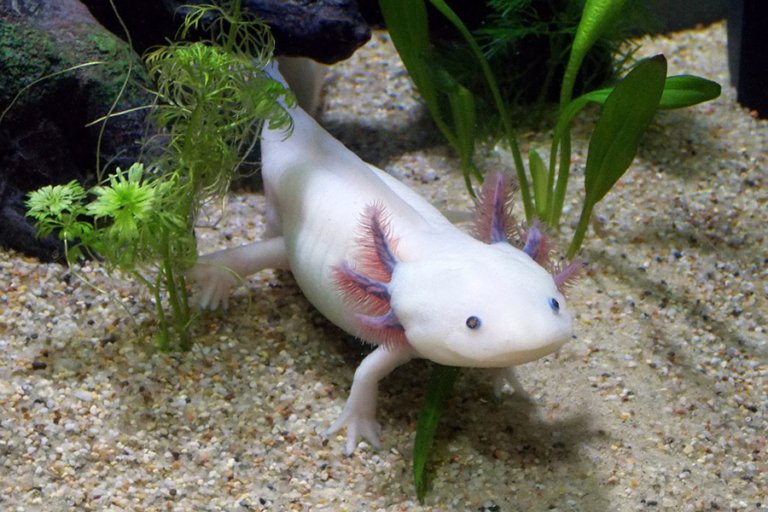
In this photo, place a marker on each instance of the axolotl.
(386, 266)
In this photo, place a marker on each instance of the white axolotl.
(383, 264)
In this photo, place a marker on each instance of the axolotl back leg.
(218, 272)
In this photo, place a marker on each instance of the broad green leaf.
(680, 91)
(407, 25)
(627, 112)
(596, 16)
(408, 28)
(440, 386)
(464, 120)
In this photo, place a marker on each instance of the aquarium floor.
(659, 403)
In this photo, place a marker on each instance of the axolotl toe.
(383, 264)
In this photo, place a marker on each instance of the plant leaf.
(627, 112)
(408, 28)
(501, 106)
(440, 386)
(595, 18)
(680, 91)
(539, 181)
(464, 120)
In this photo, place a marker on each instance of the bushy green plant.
(628, 109)
(211, 99)
(526, 44)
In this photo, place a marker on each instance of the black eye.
(554, 304)
(473, 322)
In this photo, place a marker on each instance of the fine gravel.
(659, 403)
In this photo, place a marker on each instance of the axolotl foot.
(359, 414)
(506, 377)
(360, 420)
(217, 273)
(215, 283)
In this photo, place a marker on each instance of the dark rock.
(747, 58)
(43, 132)
(149, 22)
(325, 30)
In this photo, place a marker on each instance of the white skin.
(318, 192)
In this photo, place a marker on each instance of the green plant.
(525, 42)
(211, 99)
(542, 187)
(628, 108)
(440, 387)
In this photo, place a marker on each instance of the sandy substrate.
(658, 404)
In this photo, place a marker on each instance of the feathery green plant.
(211, 100)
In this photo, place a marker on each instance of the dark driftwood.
(325, 30)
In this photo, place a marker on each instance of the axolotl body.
(382, 263)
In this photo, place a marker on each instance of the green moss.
(118, 60)
(114, 52)
(25, 55)
(28, 54)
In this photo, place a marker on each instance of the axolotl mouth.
(485, 356)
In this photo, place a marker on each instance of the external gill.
(493, 212)
(566, 275)
(494, 223)
(367, 291)
(537, 245)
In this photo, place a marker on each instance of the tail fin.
(305, 78)
(302, 76)
(273, 71)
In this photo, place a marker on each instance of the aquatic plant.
(211, 98)
(627, 110)
(525, 42)
(542, 187)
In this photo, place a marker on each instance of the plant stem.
(562, 180)
(233, 26)
(164, 341)
(180, 312)
(581, 231)
(522, 179)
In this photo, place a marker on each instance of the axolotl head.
(461, 301)
(482, 306)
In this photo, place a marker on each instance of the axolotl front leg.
(359, 414)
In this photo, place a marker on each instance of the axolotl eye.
(473, 322)
(554, 305)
